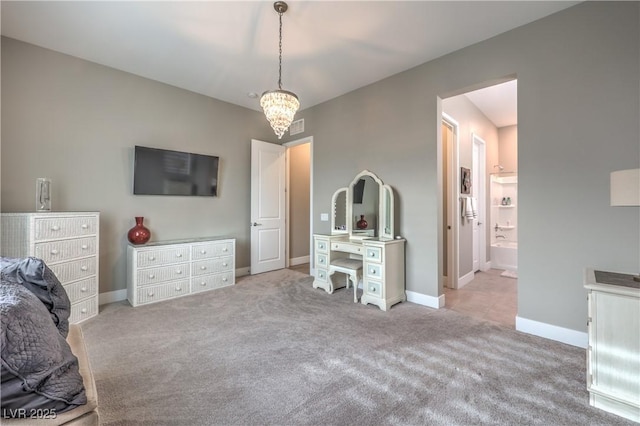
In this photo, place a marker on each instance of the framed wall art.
(465, 180)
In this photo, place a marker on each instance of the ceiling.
(228, 50)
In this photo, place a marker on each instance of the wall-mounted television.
(165, 172)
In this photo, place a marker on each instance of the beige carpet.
(273, 351)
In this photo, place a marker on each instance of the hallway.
(489, 296)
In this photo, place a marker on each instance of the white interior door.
(268, 211)
(479, 193)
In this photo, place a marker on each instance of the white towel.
(474, 208)
(469, 210)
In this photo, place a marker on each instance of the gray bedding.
(38, 368)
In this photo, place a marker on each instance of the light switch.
(324, 217)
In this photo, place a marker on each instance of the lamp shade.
(625, 187)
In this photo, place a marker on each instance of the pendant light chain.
(280, 57)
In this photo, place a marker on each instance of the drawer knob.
(83, 289)
(55, 228)
(85, 226)
(321, 260)
(373, 271)
(358, 249)
(178, 288)
(151, 276)
(178, 272)
(203, 283)
(84, 268)
(203, 252)
(373, 289)
(225, 249)
(84, 247)
(150, 294)
(179, 255)
(203, 268)
(54, 251)
(225, 264)
(224, 279)
(83, 310)
(152, 258)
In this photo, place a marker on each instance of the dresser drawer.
(163, 273)
(322, 246)
(211, 266)
(65, 227)
(58, 251)
(84, 310)
(157, 293)
(347, 247)
(75, 270)
(209, 282)
(213, 249)
(374, 288)
(82, 289)
(322, 260)
(163, 257)
(373, 254)
(373, 270)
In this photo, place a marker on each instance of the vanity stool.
(352, 268)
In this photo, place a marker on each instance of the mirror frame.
(334, 200)
(385, 198)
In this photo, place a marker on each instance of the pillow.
(39, 371)
(36, 276)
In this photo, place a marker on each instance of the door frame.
(478, 142)
(453, 207)
(288, 145)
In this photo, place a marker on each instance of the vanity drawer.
(82, 289)
(208, 282)
(74, 270)
(373, 254)
(321, 260)
(204, 251)
(161, 292)
(84, 310)
(321, 275)
(164, 273)
(347, 247)
(58, 251)
(322, 246)
(374, 270)
(163, 257)
(374, 288)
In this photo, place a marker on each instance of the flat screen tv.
(164, 172)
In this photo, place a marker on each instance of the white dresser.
(165, 270)
(68, 242)
(613, 356)
(382, 266)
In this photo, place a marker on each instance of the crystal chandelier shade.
(279, 105)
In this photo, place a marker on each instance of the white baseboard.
(112, 296)
(552, 332)
(299, 260)
(465, 279)
(425, 300)
(486, 267)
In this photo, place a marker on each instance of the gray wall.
(578, 107)
(76, 122)
(507, 149)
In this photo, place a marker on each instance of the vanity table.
(382, 255)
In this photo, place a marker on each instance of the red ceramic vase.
(361, 224)
(139, 234)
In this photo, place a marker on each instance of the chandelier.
(279, 105)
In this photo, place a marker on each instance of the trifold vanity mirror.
(364, 209)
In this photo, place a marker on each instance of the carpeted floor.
(273, 351)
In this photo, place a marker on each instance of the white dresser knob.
(84, 247)
(321, 260)
(152, 258)
(358, 249)
(179, 255)
(225, 264)
(224, 279)
(225, 249)
(54, 251)
(83, 310)
(151, 276)
(83, 290)
(178, 272)
(85, 226)
(150, 294)
(84, 268)
(55, 228)
(203, 252)
(203, 283)
(203, 267)
(373, 289)
(178, 289)
(373, 271)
